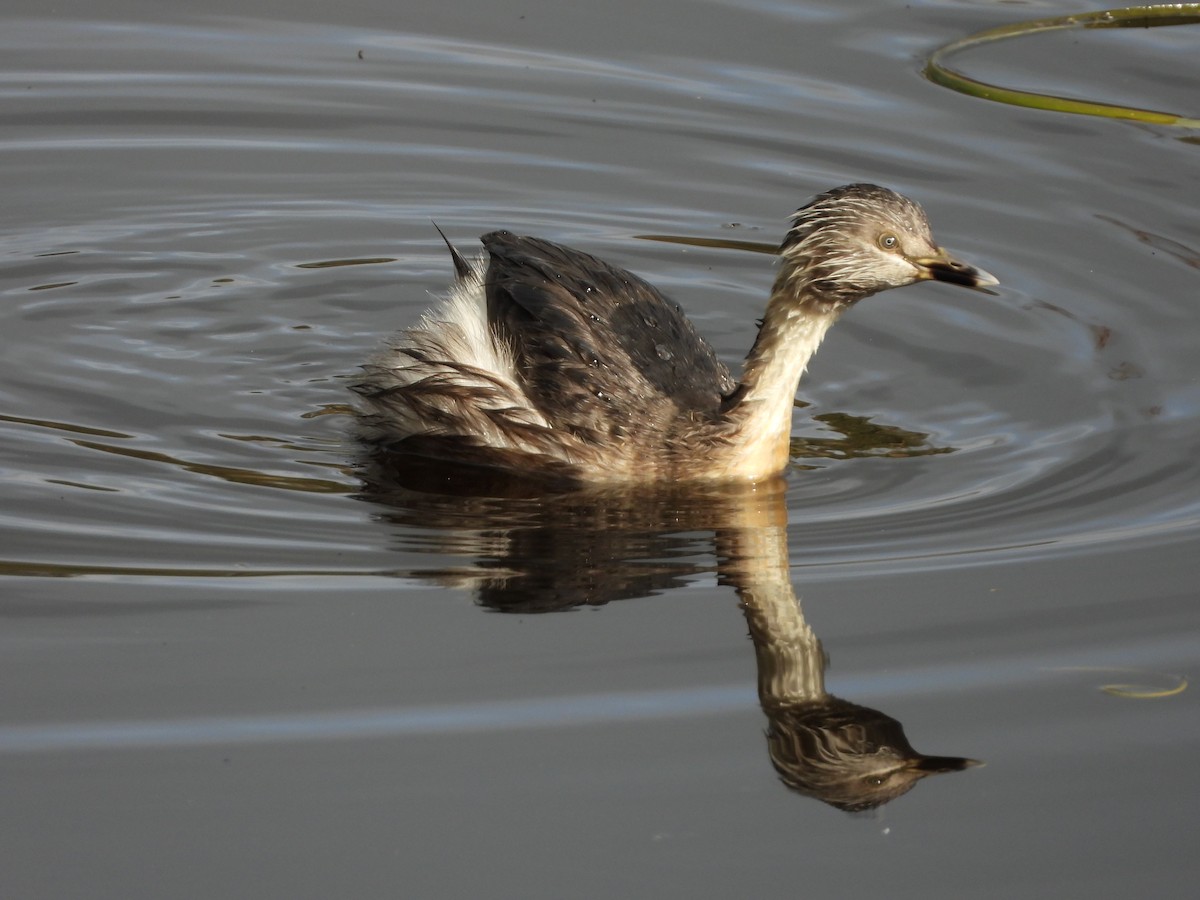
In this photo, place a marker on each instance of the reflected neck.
(791, 661)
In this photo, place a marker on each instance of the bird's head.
(857, 240)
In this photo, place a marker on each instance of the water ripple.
(180, 310)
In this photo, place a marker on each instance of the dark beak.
(931, 764)
(944, 267)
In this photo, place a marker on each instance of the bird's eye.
(889, 241)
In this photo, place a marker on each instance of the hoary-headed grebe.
(545, 362)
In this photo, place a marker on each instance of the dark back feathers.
(601, 350)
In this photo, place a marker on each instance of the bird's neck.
(761, 409)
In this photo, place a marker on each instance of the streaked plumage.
(548, 363)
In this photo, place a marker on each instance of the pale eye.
(889, 241)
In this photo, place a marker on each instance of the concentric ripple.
(207, 252)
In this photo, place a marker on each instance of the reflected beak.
(944, 267)
(931, 764)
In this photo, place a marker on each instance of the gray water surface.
(237, 662)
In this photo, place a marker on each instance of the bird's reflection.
(847, 755)
(537, 552)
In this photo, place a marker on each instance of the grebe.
(547, 363)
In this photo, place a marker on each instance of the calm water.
(236, 662)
